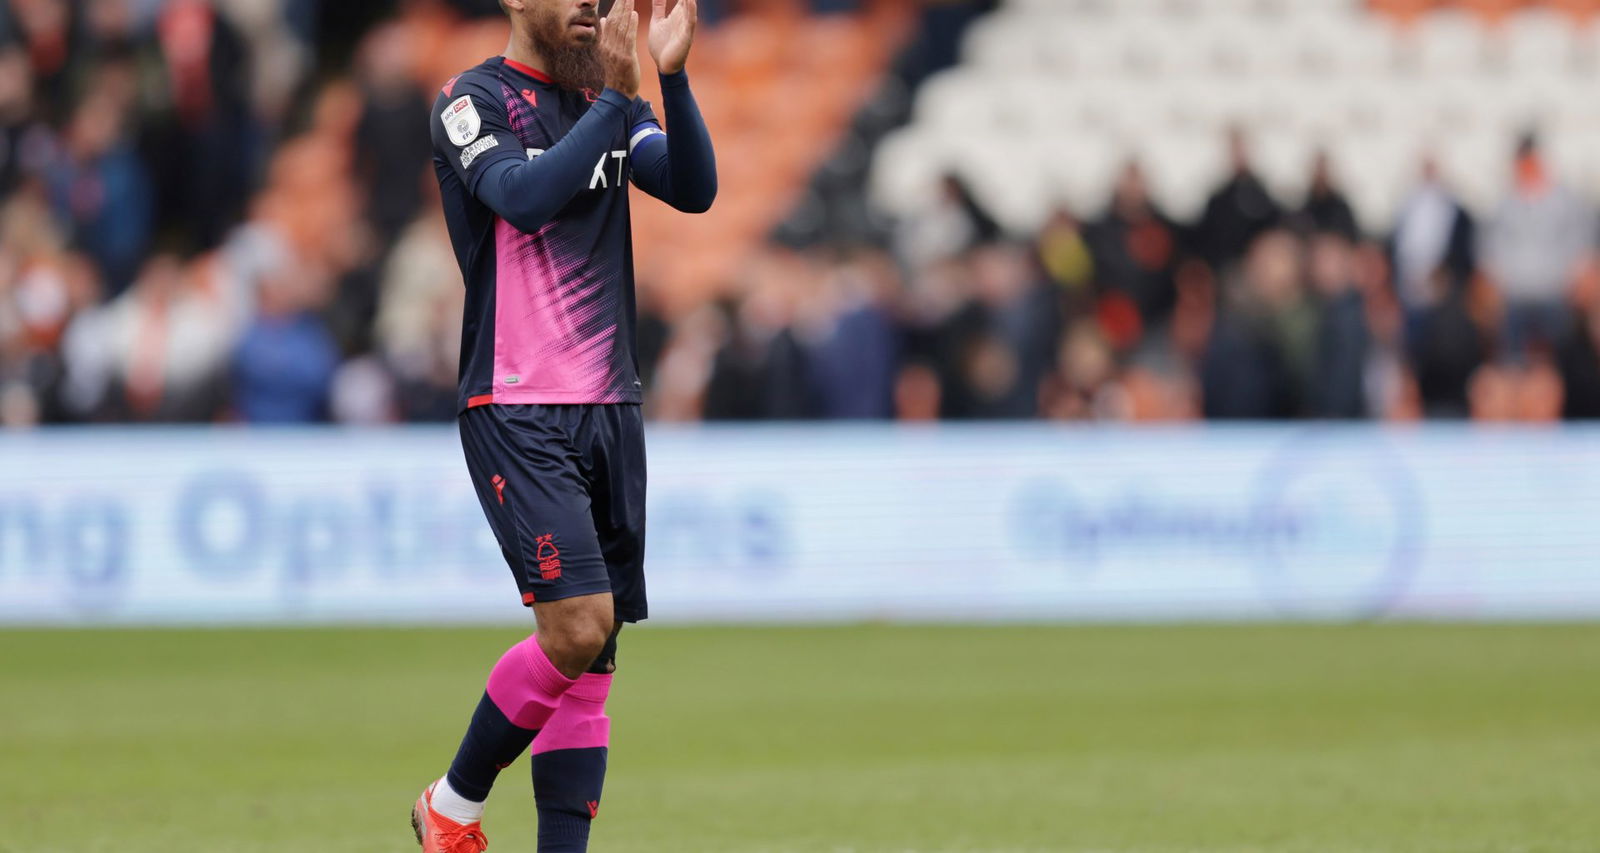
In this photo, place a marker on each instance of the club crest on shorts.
(549, 557)
(461, 121)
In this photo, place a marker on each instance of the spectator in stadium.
(1135, 248)
(99, 188)
(1433, 233)
(917, 393)
(1256, 362)
(927, 316)
(991, 383)
(1343, 341)
(1238, 211)
(1083, 385)
(853, 345)
(1529, 391)
(1326, 210)
(761, 372)
(1531, 251)
(159, 351)
(1020, 307)
(951, 224)
(991, 330)
(390, 156)
(684, 368)
(362, 393)
(1388, 383)
(204, 147)
(1446, 348)
(1578, 356)
(956, 330)
(21, 134)
(284, 365)
(113, 28)
(1188, 333)
(1064, 253)
(42, 287)
(44, 29)
(419, 318)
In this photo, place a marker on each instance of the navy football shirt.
(550, 314)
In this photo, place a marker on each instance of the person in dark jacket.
(1238, 211)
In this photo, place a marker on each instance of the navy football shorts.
(563, 488)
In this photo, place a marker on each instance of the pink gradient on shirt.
(546, 333)
(580, 722)
(516, 111)
(526, 686)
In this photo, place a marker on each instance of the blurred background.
(1140, 210)
(953, 352)
(991, 216)
(1092, 211)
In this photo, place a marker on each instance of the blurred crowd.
(1257, 309)
(193, 227)
(223, 211)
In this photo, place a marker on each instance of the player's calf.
(569, 765)
(525, 688)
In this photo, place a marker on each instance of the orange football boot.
(439, 834)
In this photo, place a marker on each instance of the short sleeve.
(471, 130)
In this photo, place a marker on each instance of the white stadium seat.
(1540, 41)
(1078, 87)
(1450, 42)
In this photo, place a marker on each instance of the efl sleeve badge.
(461, 121)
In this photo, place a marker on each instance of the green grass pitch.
(1270, 738)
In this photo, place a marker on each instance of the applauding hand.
(671, 35)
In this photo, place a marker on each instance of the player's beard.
(572, 65)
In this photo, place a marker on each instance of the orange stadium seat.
(1494, 11)
(772, 82)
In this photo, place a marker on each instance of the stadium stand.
(1074, 209)
(1091, 83)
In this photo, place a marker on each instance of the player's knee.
(574, 643)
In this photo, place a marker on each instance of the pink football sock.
(524, 691)
(526, 686)
(580, 722)
(569, 765)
